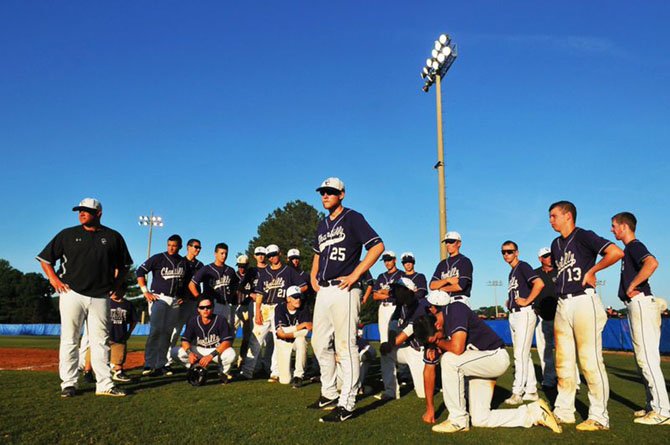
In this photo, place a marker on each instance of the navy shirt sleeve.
(147, 266)
(456, 319)
(528, 273)
(465, 274)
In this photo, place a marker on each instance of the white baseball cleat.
(591, 425)
(547, 417)
(653, 418)
(640, 413)
(515, 399)
(448, 427)
(530, 397)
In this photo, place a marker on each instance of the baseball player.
(187, 309)
(270, 290)
(123, 319)
(466, 347)
(246, 276)
(292, 324)
(168, 270)
(403, 348)
(219, 282)
(97, 264)
(454, 274)
(336, 271)
(580, 315)
(366, 354)
(407, 259)
(208, 338)
(368, 283)
(523, 287)
(644, 317)
(387, 306)
(247, 285)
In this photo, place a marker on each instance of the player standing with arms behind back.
(336, 270)
(580, 315)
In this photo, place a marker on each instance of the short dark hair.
(512, 243)
(424, 328)
(221, 246)
(626, 218)
(176, 238)
(192, 241)
(203, 298)
(566, 207)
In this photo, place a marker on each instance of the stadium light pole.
(151, 221)
(495, 284)
(442, 57)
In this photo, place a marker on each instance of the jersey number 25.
(338, 253)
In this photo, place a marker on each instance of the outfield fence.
(616, 335)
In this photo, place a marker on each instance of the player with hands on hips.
(644, 317)
(454, 274)
(336, 272)
(523, 287)
(580, 315)
(467, 348)
(292, 324)
(208, 338)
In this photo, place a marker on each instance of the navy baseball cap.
(89, 204)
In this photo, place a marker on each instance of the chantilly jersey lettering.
(339, 243)
(634, 254)
(218, 282)
(461, 267)
(168, 273)
(384, 281)
(520, 284)
(207, 335)
(573, 257)
(272, 284)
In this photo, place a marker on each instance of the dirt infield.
(29, 359)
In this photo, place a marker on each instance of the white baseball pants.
(544, 338)
(388, 367)
(283, 351)
(644, 317)
(263, 335)
(225, 360)
(336, 314)
(579, 323)
(410, 357)
(482, 368)
(75, 309)
(522, 326)
(163, 314)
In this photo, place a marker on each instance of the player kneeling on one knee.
(404, 348)
(466, 347)
(208, 338)
(292, 323)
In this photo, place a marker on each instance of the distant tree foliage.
(289, 227)
(25, 298)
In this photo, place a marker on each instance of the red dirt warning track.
(30, 359)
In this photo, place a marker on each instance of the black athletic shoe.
(338, 415)
(223, 378)
(296, 383)
(323, 403)
(89, 377)
(67, 392)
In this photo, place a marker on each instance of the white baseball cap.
(242, 259)
(438, 298)
(407, 257)
(294, 292)
(88, 204)
(332, 183)
(272, 249)
(260, 250)
(452, 236)
(293, 253)
(543, 251)
(406, 282)
(388, 255)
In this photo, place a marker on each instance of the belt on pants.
(521, 309)
(328, 283)
(568, 296)
(388, 303)
(459, 297)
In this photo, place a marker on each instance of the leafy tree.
(25, 298)
(292, 226)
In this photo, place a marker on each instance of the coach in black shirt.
(94, 261)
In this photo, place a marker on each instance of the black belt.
(459, 297)
(328, 283)
(518, 309)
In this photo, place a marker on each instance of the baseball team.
(423, 324)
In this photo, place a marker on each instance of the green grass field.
(168, 410)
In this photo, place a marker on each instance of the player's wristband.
(144, 289)
(214, 353)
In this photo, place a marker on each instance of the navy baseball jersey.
(573, 256)
(87, 260)
(167, 272)
(406, 317)
(122, 313)
(272, 283)
(207, 335)
(248, 280)
(456, 266)
(192, 266)
(384, 281)
(339, 243)
(285, 318)
(219, 283)
(634, 255)
(367, 279)
(520, 283)
(420, 282)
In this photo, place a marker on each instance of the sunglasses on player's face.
(507, 252)
(205, 308)
(546, 255)
(450, 241)
(197, 247)
(329, 192)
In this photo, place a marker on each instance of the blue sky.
(213, 114)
